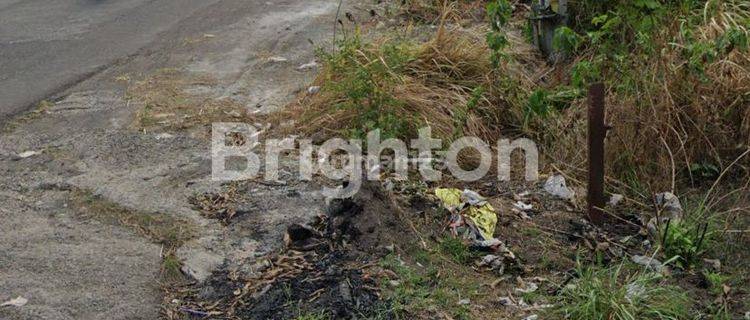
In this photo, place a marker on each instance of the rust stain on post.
(597, 132)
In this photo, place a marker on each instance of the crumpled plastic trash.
(528, 287)
(615, 199)
(470, 210)
(520, 205)
(557, 186)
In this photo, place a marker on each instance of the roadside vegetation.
(677, 77)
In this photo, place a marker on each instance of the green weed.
(456, 250)
(365, 78)
(615, 294)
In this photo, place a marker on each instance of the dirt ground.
(109, 211)
(72, 263)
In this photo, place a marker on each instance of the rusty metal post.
(597, 132)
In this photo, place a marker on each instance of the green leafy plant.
(684, 241)
(566, 40)
(499, 13)
(542, 102)
(461, 114)
(584, 73)
(365, 83)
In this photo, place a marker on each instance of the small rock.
(278, 59)
(464, 302)
(312, 65)
(313, 90)
(670, 206)
(715, 264)
(198, 262)
(557, 186)
(651, 263)
(28, 154)
(163, 136)
(17, 302)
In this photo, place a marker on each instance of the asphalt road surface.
(47, 46)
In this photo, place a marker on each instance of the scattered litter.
(500, 261)
(649, 262)
(506, 302)
(208, 35)
(528, 287)
(473, 198)
(532, 317)
(615, 199)
(520, 205)
(313, 90)
(313, 64)
(522, 195)
(17, 302)
(493, 262)
(277, 59)
(464, 302)
(27, 154)
(557, 186)
(470, 212)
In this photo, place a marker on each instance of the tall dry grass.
(665, 118)
(669, 118)
(436, 87)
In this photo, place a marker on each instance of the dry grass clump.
(173, 100)
(447, 83)
(433, 11)
(680, 113)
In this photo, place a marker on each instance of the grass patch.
(456, 250)
(447, 83)
(422, 291)
(173, 100)
(313, 316)
(619, 293)
(163, 229)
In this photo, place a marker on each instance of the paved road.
(69, 266)
(47, 46)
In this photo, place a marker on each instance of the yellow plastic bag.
(482, 216)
